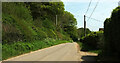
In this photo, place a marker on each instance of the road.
(62, 52)
(55, 54)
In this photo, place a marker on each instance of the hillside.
(36, 21)
(31, 26)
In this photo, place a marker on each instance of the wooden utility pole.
(84, 26)
(56, 25)
(56, 20)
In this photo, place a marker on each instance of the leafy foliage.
(94, 40)
(111, 34)
(29, 21)
(85, 47)
(81, 32)
(28, 26)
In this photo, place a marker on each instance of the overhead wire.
(95, 19)
(88, 6)
(93, 10)
(93, 25)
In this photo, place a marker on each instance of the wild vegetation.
(92, 42)
(25, 47)
(105, 43)
(112, 38)
(81, 32)
(28, 26)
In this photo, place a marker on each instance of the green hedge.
(112, 36)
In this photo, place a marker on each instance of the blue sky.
(79, 7)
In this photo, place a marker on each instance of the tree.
(81, 32)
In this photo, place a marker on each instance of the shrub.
(94, 40)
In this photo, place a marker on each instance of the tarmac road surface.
(61, 52)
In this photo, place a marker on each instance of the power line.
(88, 6)
(93, 10)
(93, 26)
(94, 19)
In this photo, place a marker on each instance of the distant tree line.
(81, 32)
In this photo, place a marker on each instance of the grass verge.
(18, 48)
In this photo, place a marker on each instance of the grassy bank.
(26, 26)
(17, 48)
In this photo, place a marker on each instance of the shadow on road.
(89, 59)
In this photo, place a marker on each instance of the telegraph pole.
(56, 20)
(84, 26)
(56, 25)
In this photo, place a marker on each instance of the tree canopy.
(29, 21)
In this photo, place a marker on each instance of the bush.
(94, 40)
(85, 47)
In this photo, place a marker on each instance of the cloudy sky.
(102, 11)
